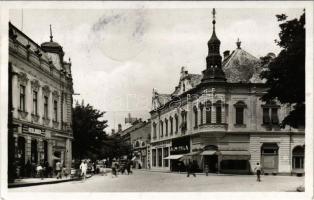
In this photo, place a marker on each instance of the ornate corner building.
(217, 120)
(42, 90)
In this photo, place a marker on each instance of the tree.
(88, 132)
(285, 75)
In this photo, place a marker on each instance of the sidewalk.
(38, 181)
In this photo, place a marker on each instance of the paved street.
(145, 181)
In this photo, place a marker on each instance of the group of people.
(121, 167)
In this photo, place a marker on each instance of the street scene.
(157, 100)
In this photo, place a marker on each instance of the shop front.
(179, 148)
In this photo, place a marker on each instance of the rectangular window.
(160, 157)
(46, 107)
(154, 131)
(171, 126)
(22, 98)
(154, 157)
(55, 110)
(239, 115)
(161, 129)
(266, 118)
(177, 124)
(166, 122)
(35, 103)
(274, 116)
(218, 114)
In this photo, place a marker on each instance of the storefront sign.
(33, 130)
(180, 146)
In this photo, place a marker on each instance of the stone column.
(50, 153)
(162, 157)
(68, 157)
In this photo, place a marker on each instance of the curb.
(44, 183)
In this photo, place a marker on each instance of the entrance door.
(269, 157)
(212, 162)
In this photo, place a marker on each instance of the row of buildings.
(218, 120)
(41, 89)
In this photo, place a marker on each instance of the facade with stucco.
(42, 90)
(218, 120)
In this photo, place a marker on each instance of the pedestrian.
(83, 168)
(258, 170)
(206, 169)
(40, 173)
(190, 169)
(28, 168)
(114, 169)
(64, 172)
(58, 170)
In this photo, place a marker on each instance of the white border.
(5, 6)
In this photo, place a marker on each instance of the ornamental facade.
(217, 120)
(42, 90)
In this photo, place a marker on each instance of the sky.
(119, 55)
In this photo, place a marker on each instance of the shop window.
(234, 165)
(298, 158)
(22, 98)
(159, 157)
(154, 157)
(195, 117)
(166, 154)
(34, 152)
(208, 112)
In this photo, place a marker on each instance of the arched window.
(195, 116)
(137, 144)
(239, 107)
(171, 125)
(208, 110)
(166, 123)
(176, 123)
(218, 111)
(298, 157)
(154, 130)
(201, 112)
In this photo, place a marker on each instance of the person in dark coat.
(190, 169)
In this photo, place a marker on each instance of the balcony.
(212, 127)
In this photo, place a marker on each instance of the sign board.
(33, 130)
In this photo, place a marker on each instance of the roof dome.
(50, 44)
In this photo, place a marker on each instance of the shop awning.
(174, 157)
(235, 155)
(208, 152)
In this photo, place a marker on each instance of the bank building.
(41, 91)
(218, 120)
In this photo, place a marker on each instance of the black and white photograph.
(157, 98)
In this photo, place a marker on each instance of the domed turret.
(51, 46)
(213, 71)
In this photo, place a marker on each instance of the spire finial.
(51, 34)
(214, 18)
(238, 43)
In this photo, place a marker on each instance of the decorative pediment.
(46, 90)
(35, 85)
(22, 78)
(55, 94)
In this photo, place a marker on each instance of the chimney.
(226, 54)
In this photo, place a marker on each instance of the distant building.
(138, 135)
(42, 90)
(218, 120)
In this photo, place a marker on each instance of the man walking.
(58, 170)
(258, 170)
(83, 168)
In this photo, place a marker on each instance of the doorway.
(212, 162)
